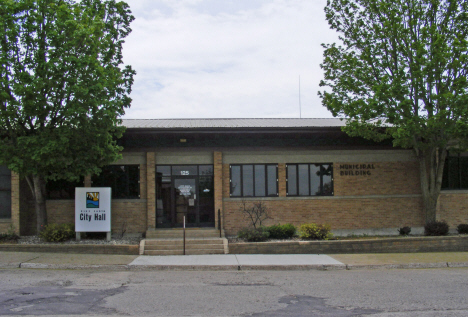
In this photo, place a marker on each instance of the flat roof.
(231, 123)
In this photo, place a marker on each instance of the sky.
(227, 58)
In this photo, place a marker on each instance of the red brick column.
(218, 186)
(151, 189)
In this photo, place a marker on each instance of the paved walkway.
(234, 261)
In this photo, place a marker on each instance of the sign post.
(92, 210)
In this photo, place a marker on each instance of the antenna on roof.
(300, 107)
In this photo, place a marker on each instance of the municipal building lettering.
(356, 169)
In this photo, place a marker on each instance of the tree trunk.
(431, 166)
(38, 188)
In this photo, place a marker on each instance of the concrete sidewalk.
(234, 261)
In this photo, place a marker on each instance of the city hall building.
(302, 170)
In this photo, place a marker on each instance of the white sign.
(92, 209)
(185, 190)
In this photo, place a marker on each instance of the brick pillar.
(151, 189)
(87, 181)
(15, 202)
(218, 186)
(282, 180)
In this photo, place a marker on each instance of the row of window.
(246, 180)
(261, 180)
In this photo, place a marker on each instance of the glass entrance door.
(184, 190)
(185, 202)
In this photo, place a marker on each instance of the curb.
(408, 266)
(320, 267)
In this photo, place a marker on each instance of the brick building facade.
(303, 170)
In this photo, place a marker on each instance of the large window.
(5, 192)
(309, 179)
(123, 179)
(62, 189)
(254, 180)
(455, 172)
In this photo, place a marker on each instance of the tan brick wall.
(453, 208)
(338, 212)
(218, 185)
(282, 180)
(150, 190)
(386, 178)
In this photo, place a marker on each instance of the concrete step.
(178, 233)
(187, 247)
(180, 252)
(181, 242)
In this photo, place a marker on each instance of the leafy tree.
(62, 90)
(401, 73)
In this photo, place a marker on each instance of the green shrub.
(436, 228)
(10, 236)
(278, 231)
(312, 231)
(6, 237)
(462, 228)
(254, 234)
(404, 231)
(58, 233)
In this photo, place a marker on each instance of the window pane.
(327, 172)
(5, 204)
(235, 180)
(184, 170)
(123, 179)
(315, 180)
(247, 180)
(5, 178)
(62, 189)
(453, 172)
(259, 180)
(133, 179)
(445, 182)
(463, 172)
(164, 170)
(271, 179)
(205, 170)
(5, 182)
(292, 180)
(303, 171)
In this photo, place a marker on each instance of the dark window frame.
(308, 180)
(114, 192)
(67, 186)
(449, 168)
(6, 214)
(241, 182)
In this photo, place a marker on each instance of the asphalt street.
(376, 292)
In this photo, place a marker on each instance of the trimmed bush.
(58, 233)
(404, 231)
(312, 231)
(10, 236)
(254, 234)
(278, 231)
(7, 237)
(436, 228)
(462, 228)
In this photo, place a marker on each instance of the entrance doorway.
(184, 190)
